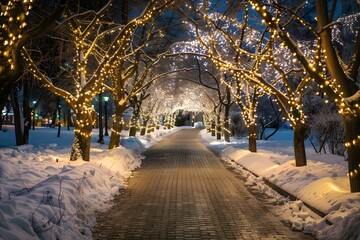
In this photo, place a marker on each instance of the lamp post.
(106, 131)
(59, 123)
(101, 135)
(33, 115)
(92, 106)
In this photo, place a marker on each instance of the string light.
(354, 142)
(88, 85)
(13, 21)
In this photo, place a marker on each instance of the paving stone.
(184, 191)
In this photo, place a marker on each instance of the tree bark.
(18, 119)
(218, 128)
(149, 128)
(348, 88)
(134, 121)
(157, 122)
(143, 130)
(213, 128)
(144, 124)
(226, 123)
(115, 133)
(352, 130)
(167, 121)
(81, 146)
(132, 131)
(252, 137)
(83, 131)
(299, 146)
(117, 127)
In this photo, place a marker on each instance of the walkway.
(183, 191)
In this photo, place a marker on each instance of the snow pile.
(322, 184)
(132, 143)
(44, 195)
(151, 138)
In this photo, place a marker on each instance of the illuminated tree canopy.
(159, 57)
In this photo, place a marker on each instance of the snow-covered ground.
(322, 184)
(45, 196)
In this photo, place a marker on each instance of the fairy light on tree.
(14, 34)
(209, 76)
(251, 61)
(338, 84)
(12, 24)
(88, 39)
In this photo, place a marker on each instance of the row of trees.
(271, 58)
(116, 55)
(240, 51)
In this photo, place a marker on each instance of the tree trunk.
(83, 130)
(18, 119)
(27, 124)
(132, 131)
(134, 122)
(26, 112)
(213, 128)
(6, 87)
(167, 121)
(116, 129)
(115, 133)
(172, 121)
(226, 123)
(157, 122)
(53, 119)
(149, 128)
(352, 130)
(150, 125)
(218, 128)
(117, 126)
(252, 137)
(143, 126)
(142, 131)
(299, 146)
(81, 146)
(218, 132)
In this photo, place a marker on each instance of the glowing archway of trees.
(322, 65)
(334, 76)
(249, 64)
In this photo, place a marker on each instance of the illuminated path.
(183, 191)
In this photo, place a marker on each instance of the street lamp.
(101, 135)
(106, 99)
(33, 113)
(59, 123)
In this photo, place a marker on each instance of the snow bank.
(322, 184)
(44, 195)
(151, 138)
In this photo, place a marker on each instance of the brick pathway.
(183, 191)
